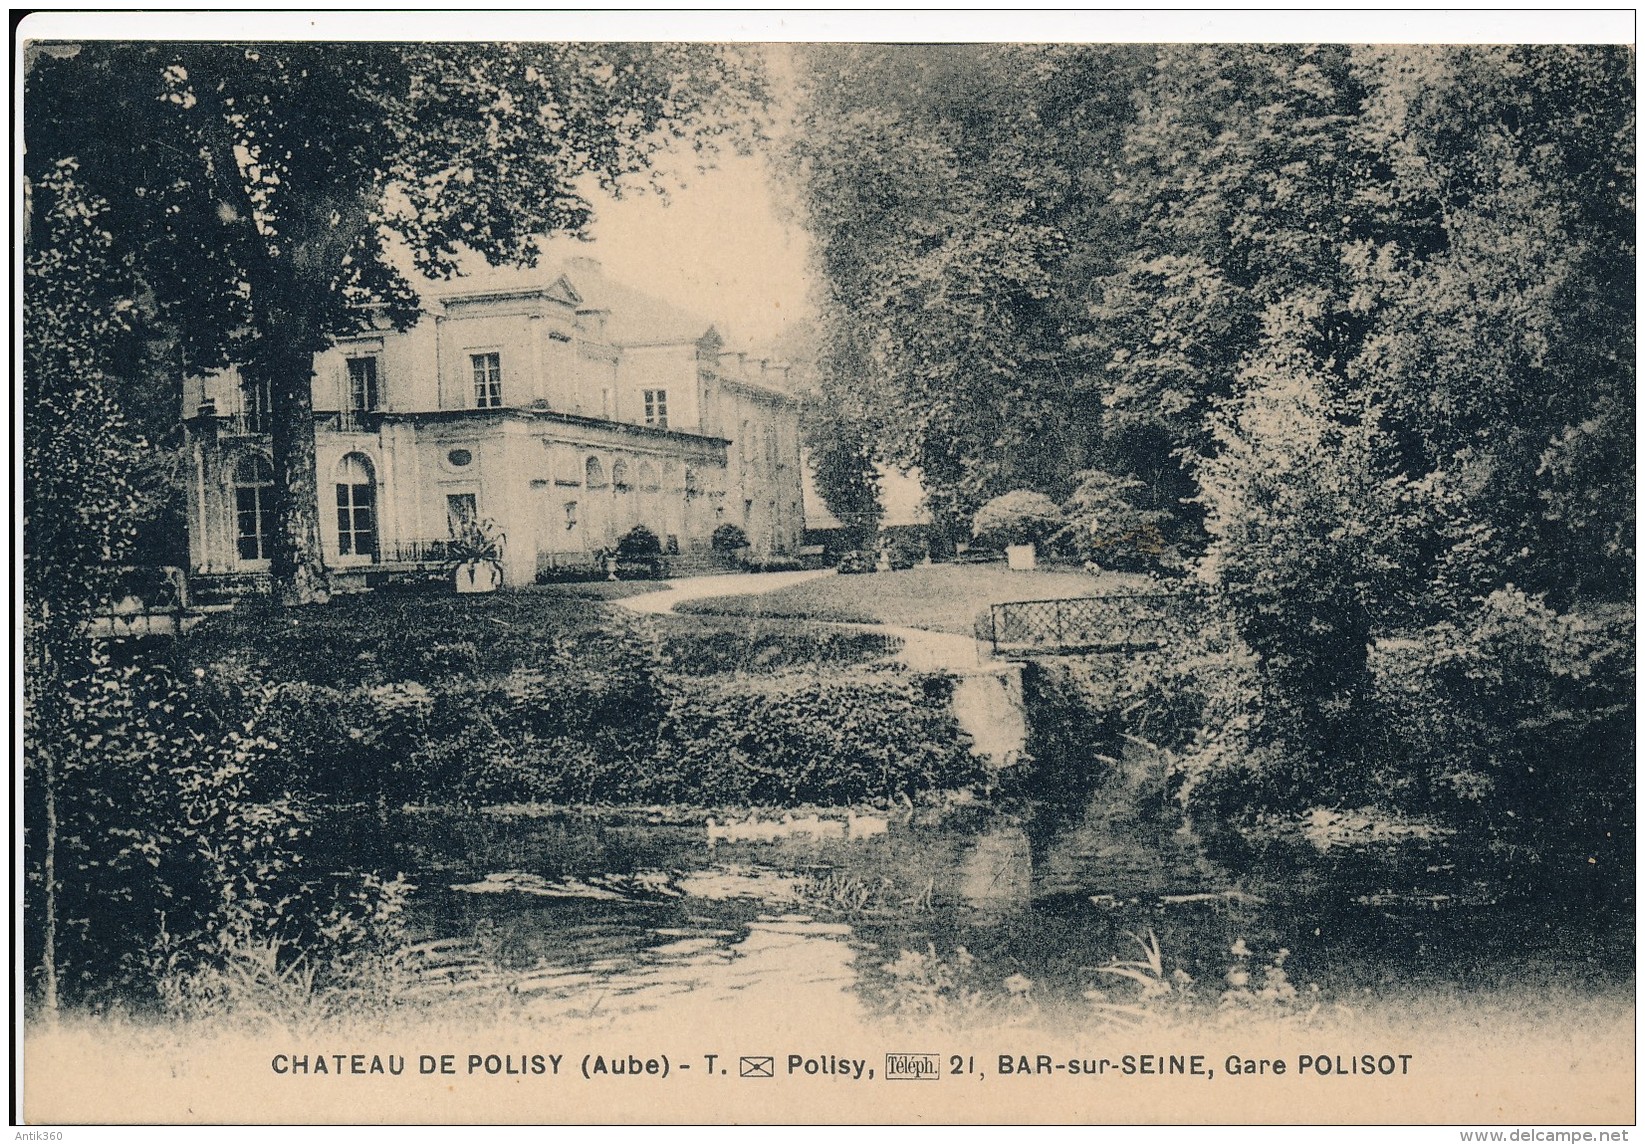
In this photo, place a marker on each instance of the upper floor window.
(656, 408)
(362, 385)
(488, 380)
(255, 404)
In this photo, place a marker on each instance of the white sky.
(719, 248)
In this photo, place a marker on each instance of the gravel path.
(720, 584)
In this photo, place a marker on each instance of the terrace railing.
(412, 551)
(569, 562)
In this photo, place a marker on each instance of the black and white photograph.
(573, 575)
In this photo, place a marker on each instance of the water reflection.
(594, 918)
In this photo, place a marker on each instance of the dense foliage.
(1350, 329)
(532, 698)
(943, 186)
(179, 848)
(1107, 526)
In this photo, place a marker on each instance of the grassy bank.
(548, 696)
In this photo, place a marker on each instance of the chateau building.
(557, 404)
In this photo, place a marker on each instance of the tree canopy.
(1358, 322)
(942, 187)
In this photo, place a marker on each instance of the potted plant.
(638, 554)
(476, 554)
(1017, 521)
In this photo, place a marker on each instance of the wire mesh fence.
(1117, 622)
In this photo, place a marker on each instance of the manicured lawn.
(392, 635)
(383, 637)
(942, 598)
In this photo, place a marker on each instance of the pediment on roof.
(711, 340)
(561, 290)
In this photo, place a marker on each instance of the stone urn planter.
(478, 576)
(477, 557)
(1017, 522)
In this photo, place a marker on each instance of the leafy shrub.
(634, 711)
(1105, 526)
(355, 959)
(1021, 517)
(383, 637)
(638, 542)
(856, 562)
(561, 731)
(719, 645)
(786, 740)
(310, 722)
(728, 538)
(904, 550)
(1456, 695)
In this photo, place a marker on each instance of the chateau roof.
(632, 317)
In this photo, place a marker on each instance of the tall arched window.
(594, 474)
(356, 508)
(648, 477)
(253, 516)
(619, 475)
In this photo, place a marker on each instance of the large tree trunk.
(282, 358)
(297, 560)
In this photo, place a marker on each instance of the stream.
(616, 914)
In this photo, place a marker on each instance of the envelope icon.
(757, 1067)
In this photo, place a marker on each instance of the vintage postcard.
(583, 575)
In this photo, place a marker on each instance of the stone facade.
(559, 405)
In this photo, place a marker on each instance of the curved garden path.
(987, 699)
(922, 650)
(718, 584)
